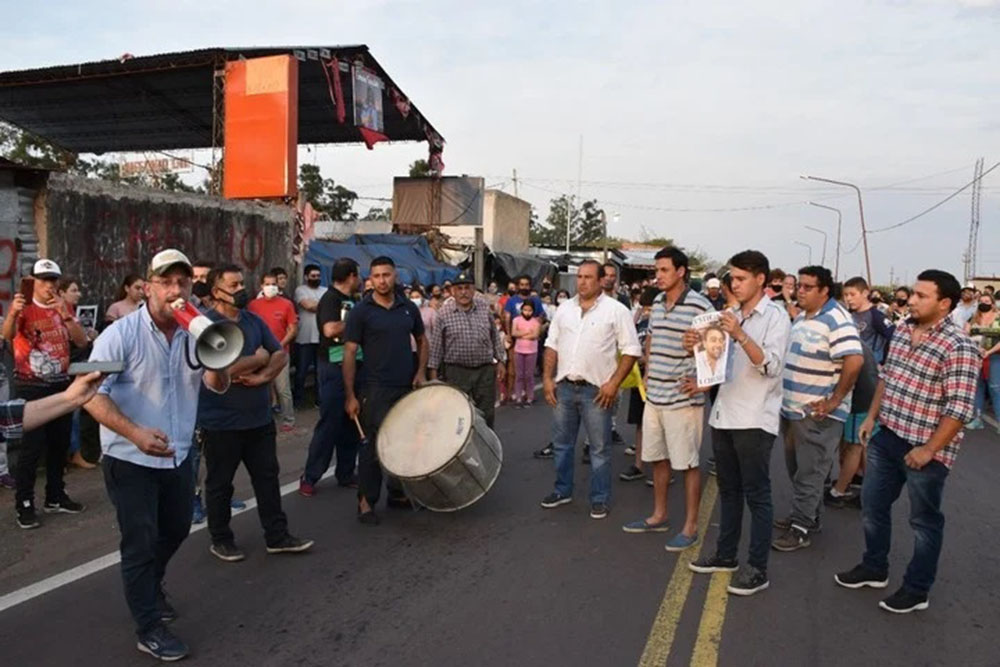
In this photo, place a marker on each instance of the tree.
(378, 213)
(327, 197)
(586, 226)
(420, 169)
(18, 146)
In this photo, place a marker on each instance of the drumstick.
(361, 431)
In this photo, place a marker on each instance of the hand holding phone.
(102, 367)
(28, 288)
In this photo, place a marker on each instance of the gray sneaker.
(747, 581)
(793, 539)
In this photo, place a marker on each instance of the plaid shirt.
(465, 337)
(11, 417)
(935, 379)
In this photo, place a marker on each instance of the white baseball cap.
(713, 283)
(46, 268)
(165, 259)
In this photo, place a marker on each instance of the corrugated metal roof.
(165, 101)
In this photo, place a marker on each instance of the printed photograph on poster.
(368, 100)
(87, 316)
(711, 355)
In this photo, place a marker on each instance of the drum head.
(424, 431)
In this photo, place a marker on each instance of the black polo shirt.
(384, 334)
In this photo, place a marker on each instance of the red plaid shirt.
(935, 379)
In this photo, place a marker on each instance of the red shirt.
(41, 346)
(278, 313)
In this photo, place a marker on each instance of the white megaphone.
(217, 344)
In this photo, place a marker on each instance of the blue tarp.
(412, 255)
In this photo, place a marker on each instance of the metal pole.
(822, 261)
(604, 221)
(808, 248)
(861, 212)
(836, 270)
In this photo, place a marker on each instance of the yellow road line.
(661, 635)
(713, 615)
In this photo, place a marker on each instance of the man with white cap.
(147, 415)
(713, 290)
(41, 332)
(966, 308)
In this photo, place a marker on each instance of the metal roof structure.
(173, 100)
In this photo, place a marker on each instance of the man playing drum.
(466, 343)
(382, 325)
(581, 379)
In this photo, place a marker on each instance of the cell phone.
(106, 367)
(28, 288)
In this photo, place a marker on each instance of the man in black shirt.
(382, 325)
(333, 430)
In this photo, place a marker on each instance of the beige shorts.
(673, 434)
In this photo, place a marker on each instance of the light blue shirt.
(157, 389)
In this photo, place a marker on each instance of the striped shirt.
(817, 346)
(935, 379)
(669, 362)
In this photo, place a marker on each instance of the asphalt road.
(505, 582)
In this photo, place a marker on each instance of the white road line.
(992, 422)
(71, 575)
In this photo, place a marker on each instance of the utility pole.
(515, 182)
(836, 268)
(861, 213)
(822, 260)
(971, 253)
(579, 188)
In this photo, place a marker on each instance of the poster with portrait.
(368, 100)
(87, 316)
(711, 354)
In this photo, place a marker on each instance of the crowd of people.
(883, 390)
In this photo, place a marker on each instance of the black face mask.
(512, 292)
(901, 302)
(240, 298)
(526, 292)
(985, 308)
(313, 283)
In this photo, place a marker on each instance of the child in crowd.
(526, 330)
(635, 403)
(502, 396)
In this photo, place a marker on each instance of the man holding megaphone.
(147, 414)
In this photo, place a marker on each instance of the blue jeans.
(305, 358)
(334, 430)
(74, 434)
(885, 475)
(576, 407)
(994, 386)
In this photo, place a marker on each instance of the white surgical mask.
(560, 300)
(417, 302)
(270, 291)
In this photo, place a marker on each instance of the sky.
(696, 119)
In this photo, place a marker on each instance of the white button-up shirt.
(588, 344)
(752, 398)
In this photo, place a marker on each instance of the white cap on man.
(164, 260)
(713, 283)
(46, 269)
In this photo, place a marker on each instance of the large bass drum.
(439, 446)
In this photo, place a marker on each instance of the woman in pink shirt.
(526, 329)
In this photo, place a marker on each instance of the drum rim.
(473, 501)
(472, 409)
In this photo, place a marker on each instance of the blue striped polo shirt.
(817, 346)
(669, 362)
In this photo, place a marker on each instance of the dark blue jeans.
(576, 407)
(885, 475)
(153, 506)
(305, 358)
(742, 468)
(334, 430)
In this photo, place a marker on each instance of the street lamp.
(816, 229)
(836, 269)
(809, 248)
(861, 212)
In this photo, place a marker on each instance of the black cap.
(463, 279)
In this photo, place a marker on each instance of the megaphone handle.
(361, 431)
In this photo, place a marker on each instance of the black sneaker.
(26, 516)
(860, 577)
(793, 539)
(586, 455)
(227, 551)
(616, 437)
(368, 518)
(66, 505)
(289, 545)
(598, 511)
(167, 612)
(162, 644)
(632, 474)
(747, 581)
(546, 452)
(710, 564)
(555, 499)
(903, 602)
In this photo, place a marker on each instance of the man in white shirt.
(966, 308)
(307, 298)
(744, 422)
(581, 378)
